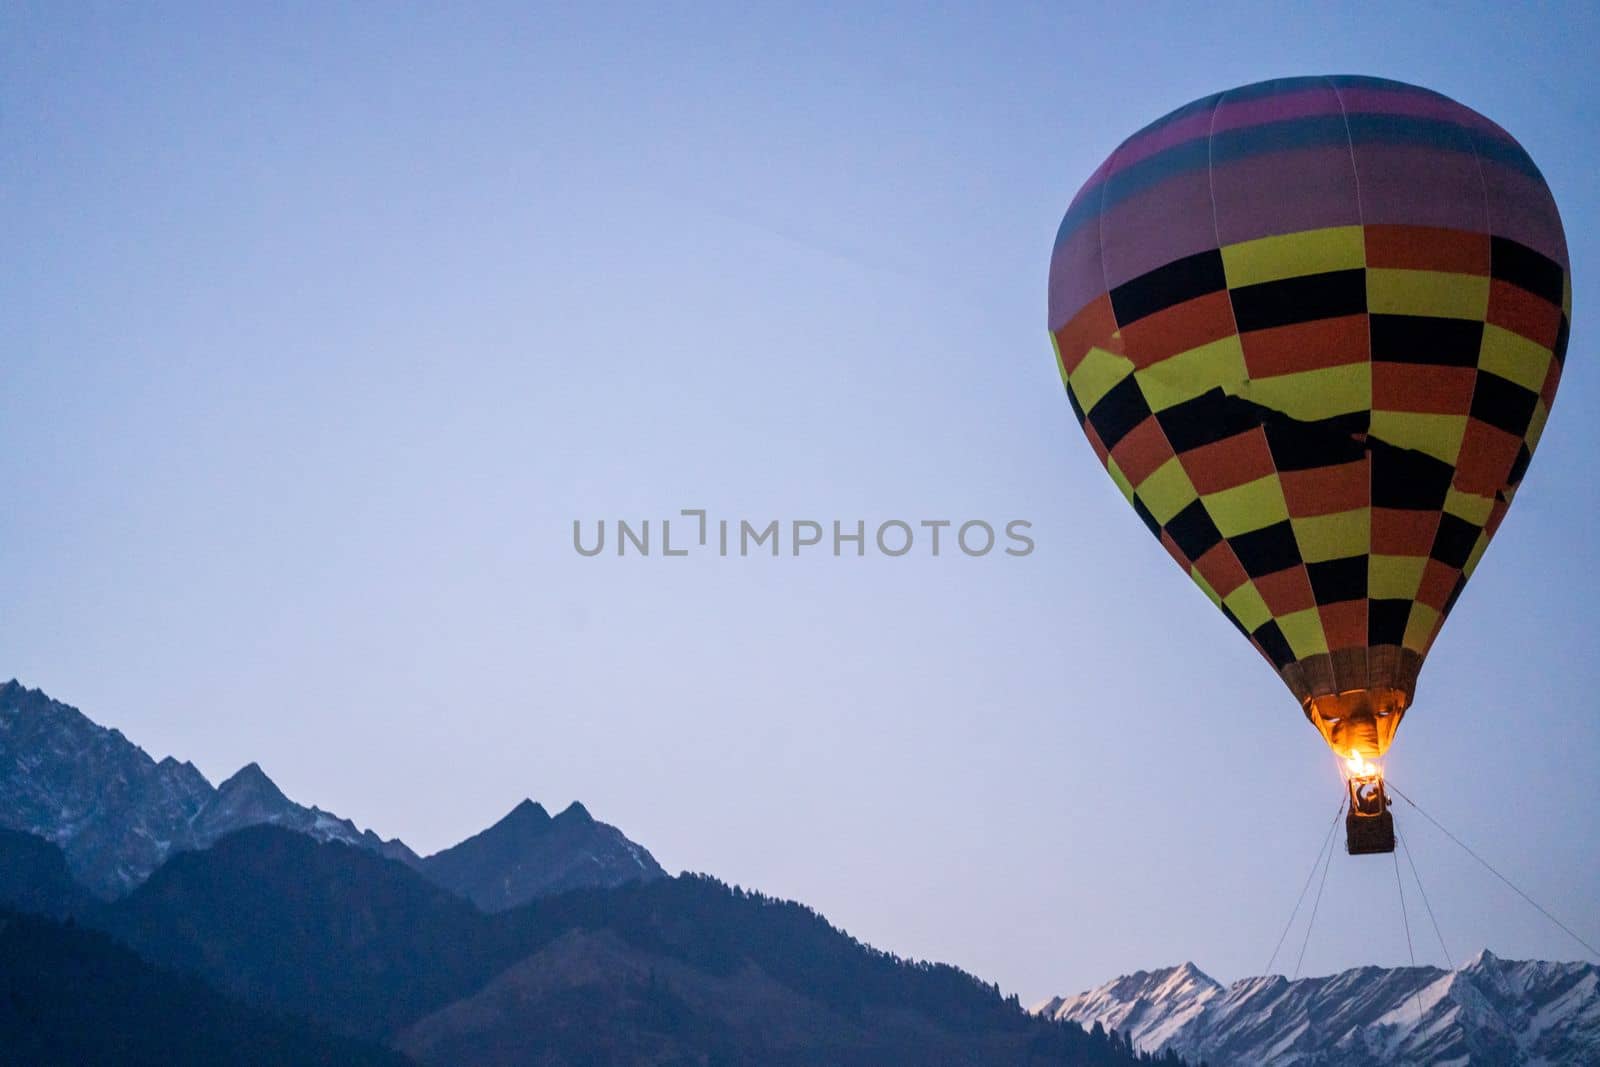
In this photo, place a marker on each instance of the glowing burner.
(1369, 827)
(1358, 766)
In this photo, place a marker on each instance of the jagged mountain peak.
(253, 779)
(576, 812)
(528, 854)
(117, 813)
(1164, 983)
(527, 813)
(1487, 1010)
(532, 815)
(1151, 1005)
(1178, 974)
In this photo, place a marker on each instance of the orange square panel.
(1403, 532)
(1178, 328)
(1286, 591)
(1304, 346)
(1232, 461)
(1422, 387)
(1327, 490)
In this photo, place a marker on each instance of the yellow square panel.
(1394, 577)
(1303, 631)
(1247, 507)
(1186, 375)
(1470, 506)
(1167, 491)
(1514, 357)
(1437, 435)
(1293, 255)
(1247, 606)
(1435, 293)
(1337, 536)
(1099, 372)
(1419, 627)
(1315, 394)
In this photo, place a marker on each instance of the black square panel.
(1267, 550)
(1193, 531)
(1423, 339)
(1405, 478)
(1336, 580)
(1118, 412)
(1386, 621)
(1454, 541)
(1209, 417)
(1180, 280)
(1274, 644)
(1502, 403)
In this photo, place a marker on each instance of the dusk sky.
(323, 324)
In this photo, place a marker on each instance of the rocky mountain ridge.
(1487, 1011)
(118, 815)
(529, 854)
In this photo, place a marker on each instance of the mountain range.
(528, 854)
(152, 898)
(118, 814)
(136, 898)
(1487, 1011)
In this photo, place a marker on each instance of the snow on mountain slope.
(1488, 1011)
(117, 813)
(1149, 1007)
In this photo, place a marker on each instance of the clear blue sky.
(321, 325)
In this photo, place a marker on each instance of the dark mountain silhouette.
(356, 942)
(528, 854)
(34, 877)
(70, 996)
(670, 970)
(297, 915)
(690, 970)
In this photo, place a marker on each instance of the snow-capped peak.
(1488, 1010)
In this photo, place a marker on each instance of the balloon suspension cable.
(1312, 923)
(1405, 922)
(1301, 899)
(1424, 894)
(1491, 869)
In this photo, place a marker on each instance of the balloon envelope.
(1313, 328)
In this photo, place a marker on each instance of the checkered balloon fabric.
(1313, 328)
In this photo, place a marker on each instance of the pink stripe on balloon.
(1413, 185)
(1076, 276)
(1302, 103)
(1234, 115)
(1285, 192)
(1417, 105)
(1142, 146)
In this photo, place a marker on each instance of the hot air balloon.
(1313, 328)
